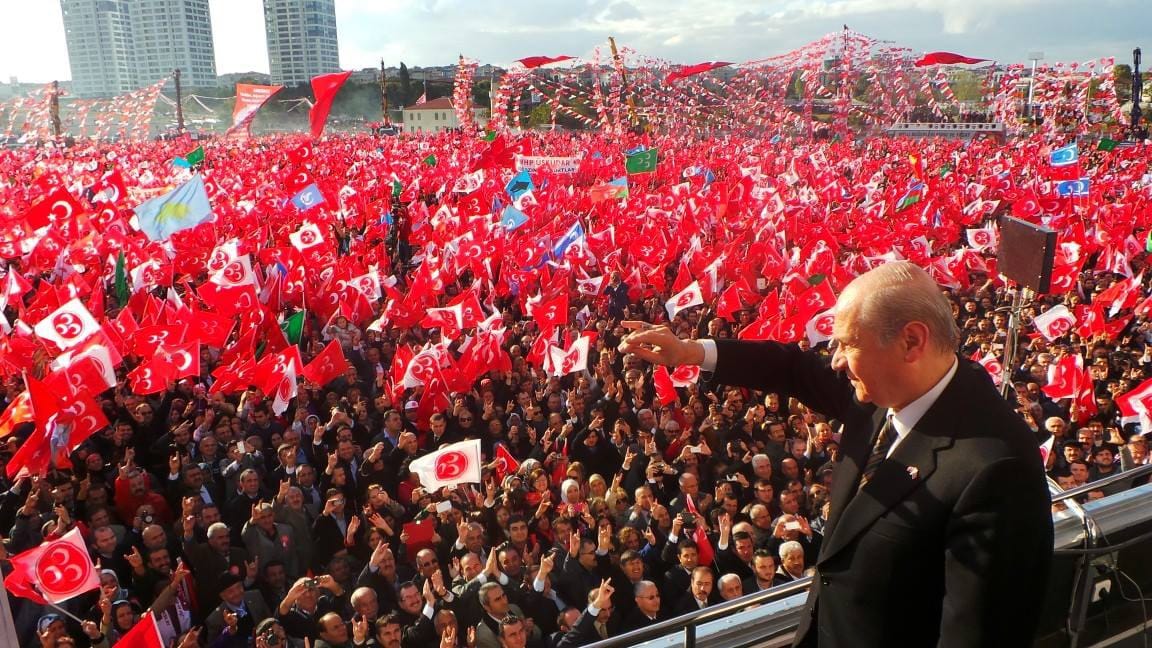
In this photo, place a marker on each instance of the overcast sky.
(434, 32)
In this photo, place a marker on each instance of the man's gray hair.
(361, 594)
(641, 587)
(790, 547)
(485, 590)
(901, 292)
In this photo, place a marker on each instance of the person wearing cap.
(237, 614)
(268, 540)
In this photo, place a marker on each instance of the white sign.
(557, 164)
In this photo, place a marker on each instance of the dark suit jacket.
(635, 619)
(257, 612)
(584, 632)
(951, 540)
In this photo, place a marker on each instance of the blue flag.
(574, 235)
(1070, 188)
(636, 149)
(182, 208)
(1064, 156)
(308, 198)
(520, 184)
(775, 139)
(512, 218)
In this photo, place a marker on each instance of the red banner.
(249, 99)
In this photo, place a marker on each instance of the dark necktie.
(880, 446)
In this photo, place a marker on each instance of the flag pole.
(8, 635)
(51, 605)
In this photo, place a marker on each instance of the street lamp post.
(179, 102)
(1034, 57)
(1137, 94)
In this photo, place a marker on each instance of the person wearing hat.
(268, 540)
(238, 613)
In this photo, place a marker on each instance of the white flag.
(223, 254)
(285, 391)
(68, 325)
(368, 284)
(307, 236)
(458, 463)
(982, 238)
(819, 328)
(1054, 322)
(237, 273)
(573, 360)
(687, 298)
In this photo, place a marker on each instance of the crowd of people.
(237, 526)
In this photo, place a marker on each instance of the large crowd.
(238, 526)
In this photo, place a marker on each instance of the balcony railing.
(769, 617)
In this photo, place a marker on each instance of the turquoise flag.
(182, 208)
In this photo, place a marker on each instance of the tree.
(1122, 77)
(405, 84)
(540, 115)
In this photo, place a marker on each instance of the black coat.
(949, 543)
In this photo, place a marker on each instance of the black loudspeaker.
(1027, 253)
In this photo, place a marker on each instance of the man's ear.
(915, 338)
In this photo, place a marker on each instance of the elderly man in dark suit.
(940, 530)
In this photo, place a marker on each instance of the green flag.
(396, 188)
(489, 136)
(430, 160)
(642, 162)
(293, 327)
(195, 157)
(908, 200)
(1148, 242)
(1106, 144)
(121, 281)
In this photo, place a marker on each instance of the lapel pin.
(913, 472)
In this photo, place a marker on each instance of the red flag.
(185, 358)
(946, 58)
(327, 366)
(536, 61)
(35, 454)
(18, 411)
(703, 544)
(57, 206)
(1064, 378)
(211, 329)
(689, 70)
(552, 313)
(144, 634)
(506, 464)
(665, 390)
(249, 99)
(324, 87)
(1136, 401)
